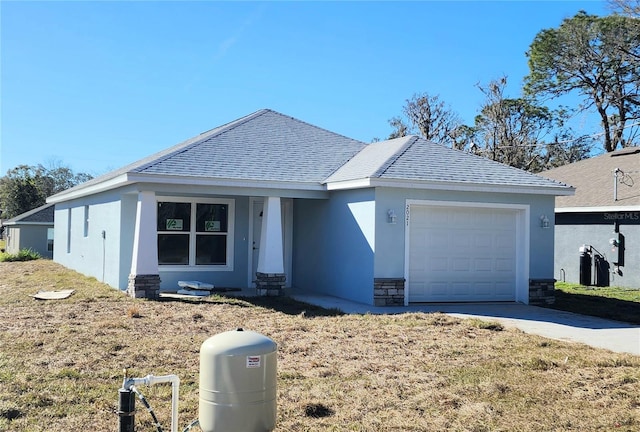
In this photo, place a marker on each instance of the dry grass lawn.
(61, 364)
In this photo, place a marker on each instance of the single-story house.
(271, 202)
(31, 230)
(597, 236)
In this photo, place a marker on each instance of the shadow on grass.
(289, 306)
(603, 307)
(284, 304)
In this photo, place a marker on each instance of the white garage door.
(460, 254)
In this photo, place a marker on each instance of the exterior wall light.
(544, 222)
(391, 216)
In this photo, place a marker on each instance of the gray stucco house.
(597, 236)
(31, 230)
(276, 204)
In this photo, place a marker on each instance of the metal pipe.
(151, 380)
(615, 183)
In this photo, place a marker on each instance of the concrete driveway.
(566, 326)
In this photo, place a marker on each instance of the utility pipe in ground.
(151, 380)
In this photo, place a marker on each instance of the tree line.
(596, 59)
(26, 187)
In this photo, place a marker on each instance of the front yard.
(61, 364)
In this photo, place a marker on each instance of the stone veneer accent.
(542, 292)
(144, 286)
(388, 291)
(270, 284)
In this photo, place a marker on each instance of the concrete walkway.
(566, 326)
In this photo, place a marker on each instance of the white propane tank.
(238, 374)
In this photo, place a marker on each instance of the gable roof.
(415, 161)
(42, 215)
(594, 181)
(264, 146)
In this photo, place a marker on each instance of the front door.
(256, 228)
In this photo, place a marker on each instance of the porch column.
(270, 276)
(144, 279)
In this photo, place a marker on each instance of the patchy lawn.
(61, 364)
(622, 304)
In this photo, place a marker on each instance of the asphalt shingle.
(42, 214)
(594, 180)
(267, 146)
(415, 159)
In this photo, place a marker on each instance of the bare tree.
(626, 7)
(427, 116)
(517, 132)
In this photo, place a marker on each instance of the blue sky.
(96, 85)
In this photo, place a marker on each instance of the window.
(195, 233)
(69, 230)
(49, 239)
(86, 221)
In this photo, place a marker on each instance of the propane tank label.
(253, 362)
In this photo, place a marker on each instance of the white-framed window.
(195, 233)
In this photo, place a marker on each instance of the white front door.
(459, 254)
(255, 230)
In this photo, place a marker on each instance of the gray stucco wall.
(84, 248)
(569, 238)
(334, 244)
(28, 236)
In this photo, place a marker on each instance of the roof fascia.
(452, 186)
(222, 182)
(632, 208)
(26, 223)
(106, 185)
(138, 178)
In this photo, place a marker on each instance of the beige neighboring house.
(597, 235)
(31, 230)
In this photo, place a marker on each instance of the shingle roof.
(42, 214)
(594, 180)
(262, 146)
(267, 146)
(415, 159)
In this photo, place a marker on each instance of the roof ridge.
(410, 141)
(203, 136)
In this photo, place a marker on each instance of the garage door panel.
(439, 265)
(467, 254)
(461, 264)
(504, 265)
(483, 265)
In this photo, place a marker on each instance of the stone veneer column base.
(144, 286)
(542, 292)
(270, 284)
(388, 291)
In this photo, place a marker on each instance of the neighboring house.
(272, 202)
(598, 229)
(31, 230)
